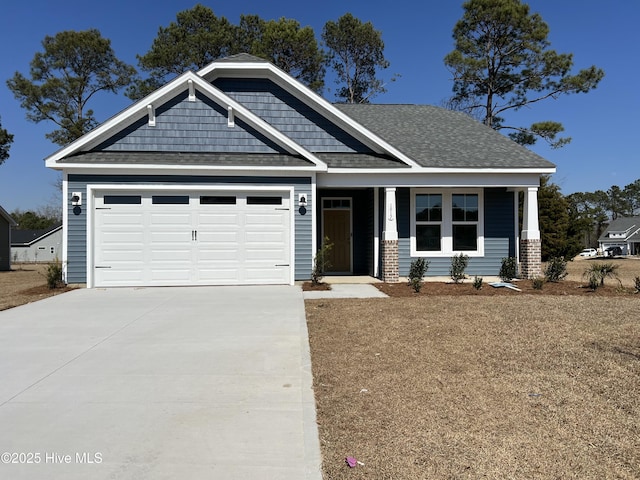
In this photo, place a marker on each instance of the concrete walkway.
(158, 383)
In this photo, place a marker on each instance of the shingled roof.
(440, 138)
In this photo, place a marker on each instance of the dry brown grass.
(498, 387)
(628, 268)
(24, 284)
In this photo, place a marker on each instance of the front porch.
(378, 231)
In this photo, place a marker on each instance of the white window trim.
(447, 222)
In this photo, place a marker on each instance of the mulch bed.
(310, 286)
(564, 287)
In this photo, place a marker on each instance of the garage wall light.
(76, 199)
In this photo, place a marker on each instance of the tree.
(72, 69)
(194, 40)
(618, 205)
(632, 195)
(6, 139)
(589, 214)
(560, 235)
(287, 45)
(36, 220)
(356, 53)
(199, 37)
(502, 61)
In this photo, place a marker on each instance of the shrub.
(508, 269)
(556, 269)
(598, 272)
(321, 263)
(477, 282)
(54, 275)
(538, 283)
(417, 271)
(458, 266)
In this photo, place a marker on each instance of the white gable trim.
(140, 109)
(308, 96)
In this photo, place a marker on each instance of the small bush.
(556, 269)
(598, 272)
(537, 283)
(477, 282)
(417, 271)
(321, 263)
(54, 275)
(458, 266)
(508, 269)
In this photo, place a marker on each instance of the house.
(37, 245)
(6, 222)
(236, 173)
(623, 232)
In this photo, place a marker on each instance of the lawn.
(510, 386)
(24, 284)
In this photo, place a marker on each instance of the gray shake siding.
(185, 126)
(290, 115)
(499, 241)
(77, 218)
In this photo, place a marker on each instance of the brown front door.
(337, 227)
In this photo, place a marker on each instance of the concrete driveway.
(158, 383)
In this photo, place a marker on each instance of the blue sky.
(604, 123)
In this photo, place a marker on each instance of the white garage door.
(202, 238)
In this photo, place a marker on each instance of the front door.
(336, 219)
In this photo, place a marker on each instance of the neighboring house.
(37, 245)
(234, 175)
(623, 232)
(6, 222)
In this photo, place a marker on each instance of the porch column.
(390, 238)
(530, 246)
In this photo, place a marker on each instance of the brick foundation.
(390, 271)
(530, 259)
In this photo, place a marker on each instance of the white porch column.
(530, 245)
(390, 231)
(390, 270)
(530, 225)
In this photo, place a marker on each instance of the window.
(122, 199)
(428, 222)
(446, 222)
(264, 200)
(464, 214)
(170, 199)
(217, 200)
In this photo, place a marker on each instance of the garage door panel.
(192, 243)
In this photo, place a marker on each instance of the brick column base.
(530, 259)
(390, 271)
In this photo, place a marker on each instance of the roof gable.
(142, 111)
(621, 229)
(4, 214)
(28, 237)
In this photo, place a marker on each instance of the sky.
(604, 123)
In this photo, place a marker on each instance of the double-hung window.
(446, 222)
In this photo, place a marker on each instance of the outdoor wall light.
(76, 198)
(302, 200)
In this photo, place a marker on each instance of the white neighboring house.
(623, 232)
(37, 245)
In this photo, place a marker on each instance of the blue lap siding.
(499, 234)
(77, 216)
